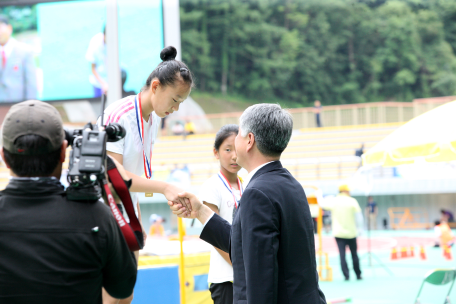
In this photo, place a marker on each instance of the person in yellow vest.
(156, 227)
(189, 127)
(443, 234)
(347, 223)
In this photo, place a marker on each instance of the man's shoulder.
(97, 40)
(279, 177)
(97, 208)
(353, 200)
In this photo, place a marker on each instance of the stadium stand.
(312, 154)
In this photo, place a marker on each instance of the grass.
(219, 103)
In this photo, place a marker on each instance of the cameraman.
(53, 250)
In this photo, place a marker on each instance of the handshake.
(189, 206)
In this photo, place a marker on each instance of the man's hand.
(198, 209)
(172, 194)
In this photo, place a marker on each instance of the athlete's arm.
(224, 254)
(140, 184)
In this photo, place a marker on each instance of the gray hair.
(271, 125)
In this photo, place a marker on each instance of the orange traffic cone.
(412, 251)
(404, 253)
(422, 253)
(394, 254)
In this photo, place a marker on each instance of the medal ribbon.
(140, 125)
(228, 186)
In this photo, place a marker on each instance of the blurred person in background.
(371, 213)
(163, 126)
(123, 77)
(189, 127)
(327, 220)
(317, 111)
(446, 216)
(443, 234)
(17, 67)
(156, 226)
(96, 55)
(178, 128)
(359, 153)
(347, 223)
(222, 193)
(180, 176)
(54, 250)
(165, 89)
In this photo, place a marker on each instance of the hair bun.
(168, 53)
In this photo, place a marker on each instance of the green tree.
(337, 51)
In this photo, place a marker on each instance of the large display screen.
(57, 51)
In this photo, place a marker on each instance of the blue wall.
(65, 29)
(157, 286)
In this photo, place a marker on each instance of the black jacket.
(50, 251)
(271, 241)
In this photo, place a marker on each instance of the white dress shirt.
(7, 48)
(252, 173)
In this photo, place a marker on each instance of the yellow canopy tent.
(430, 137)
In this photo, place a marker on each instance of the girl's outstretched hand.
(198, 210)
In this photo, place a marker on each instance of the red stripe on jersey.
(113, 113)
(123, 112)
(119, 111)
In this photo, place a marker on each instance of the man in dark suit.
(271, 241)
(17, 67)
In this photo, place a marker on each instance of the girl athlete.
(166, 88)
(222, 193)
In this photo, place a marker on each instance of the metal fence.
(344, 115)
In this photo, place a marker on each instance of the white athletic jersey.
(214, 192)
(123, 112)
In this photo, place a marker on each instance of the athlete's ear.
(217, 156)
(154, 85)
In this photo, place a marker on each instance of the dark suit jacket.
(271, 241)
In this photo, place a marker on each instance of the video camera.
(87, 165)
(88, 173)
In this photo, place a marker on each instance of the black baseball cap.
(33, 117)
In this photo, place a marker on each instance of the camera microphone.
(115, 132)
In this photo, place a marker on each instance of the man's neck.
(6, 42)
(146, 106)
(258, 160)
(57, 173)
